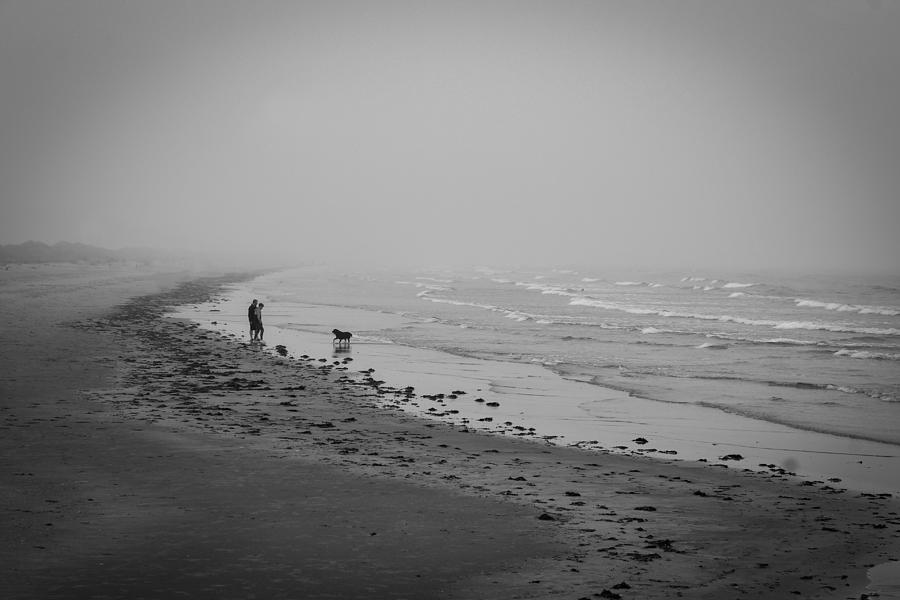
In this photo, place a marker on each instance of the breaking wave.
(729, 286)
(857, 308)
(810, 325)
(867, 354)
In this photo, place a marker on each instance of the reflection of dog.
(341, 336)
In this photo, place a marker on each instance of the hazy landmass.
(32, 252)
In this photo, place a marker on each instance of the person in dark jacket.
(253, 315)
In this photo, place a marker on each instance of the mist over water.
(685, 134)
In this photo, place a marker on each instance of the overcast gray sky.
(686, 133)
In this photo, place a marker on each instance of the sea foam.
(738, 285)
(837, 306)
(867, 354)
(810, 325)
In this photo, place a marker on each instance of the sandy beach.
(144, 457)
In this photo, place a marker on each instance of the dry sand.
(144, 457)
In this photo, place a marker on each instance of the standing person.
(260, 330)
(252, 314)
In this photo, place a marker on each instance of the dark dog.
(341, 336)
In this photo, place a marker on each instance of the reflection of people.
(253, 315)
(260, 330)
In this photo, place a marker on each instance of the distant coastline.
(32, 252)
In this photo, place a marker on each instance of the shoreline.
(536, 401)
(97, 502)
(543, 521)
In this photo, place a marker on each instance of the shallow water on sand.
(536, 402)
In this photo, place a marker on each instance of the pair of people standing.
(254, 313)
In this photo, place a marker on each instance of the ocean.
(790, 373)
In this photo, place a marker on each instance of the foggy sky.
(685, 133)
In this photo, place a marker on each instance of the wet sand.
(145, 457)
